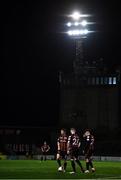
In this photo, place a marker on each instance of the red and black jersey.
(62, 143)
(45, 148)
(73, 141)
(89, 142)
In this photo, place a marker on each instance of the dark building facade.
(89, 97)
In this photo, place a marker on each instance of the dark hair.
(88, 130)
(63, 129)
(73, 129)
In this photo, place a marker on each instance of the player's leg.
(72, 162)
(42, 157)
(45, 156)
(87, 165)
(65, 165)
(59, 159)
(91, 164)
(73, 166)
(80, 165)
(65, 161)
(77, 160)
(64, 157)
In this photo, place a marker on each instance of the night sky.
(34, 50)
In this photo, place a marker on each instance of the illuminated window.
(110, 80)
(114, 80)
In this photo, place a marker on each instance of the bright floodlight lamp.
(76, 15)
(77, 27)
(69, 24)
(84, 23)
(77, 32)
(76, 23)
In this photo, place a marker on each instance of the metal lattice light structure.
(77, 30)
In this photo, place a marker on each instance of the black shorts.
(89, 154)
(74, 153)
(63, 154)
(44, 153)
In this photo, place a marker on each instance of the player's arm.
(58, 144)
(58, 148)
(42, 149)
(48, 148)
(79, 144)
(69, 144)
(92, 141)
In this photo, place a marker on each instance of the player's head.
(45, 143)
(63, 131)
(87, 133)
(73, 131)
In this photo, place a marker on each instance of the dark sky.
(34, 50)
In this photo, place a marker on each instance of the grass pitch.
(35, 169)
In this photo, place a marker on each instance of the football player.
(88, 150)
(44, 149)
(73, 150)
(62, 150)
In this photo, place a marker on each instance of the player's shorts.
(89, 154)
(63, 154)
(44, 153)
(74, 153)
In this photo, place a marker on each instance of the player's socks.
(59, 162)
(90, 163)
(73, 165)
(65, 165)
(87, 166)
(80, 165)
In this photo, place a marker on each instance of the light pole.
(77, 30)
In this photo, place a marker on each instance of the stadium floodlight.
(85, 31)
(76, 15)
(78, 32)
(84, 23)
(69, 33)
(69, 24)
(76, 23)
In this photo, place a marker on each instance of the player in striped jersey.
(62, 150)
(88, 150)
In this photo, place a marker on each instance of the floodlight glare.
(69, 24)
(78, 32)
(84, 23)
(70, 33)
(86, 31)
(76, 15)
(76, 23)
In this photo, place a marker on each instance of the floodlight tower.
(77, 30)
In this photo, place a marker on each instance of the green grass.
(35, 169)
